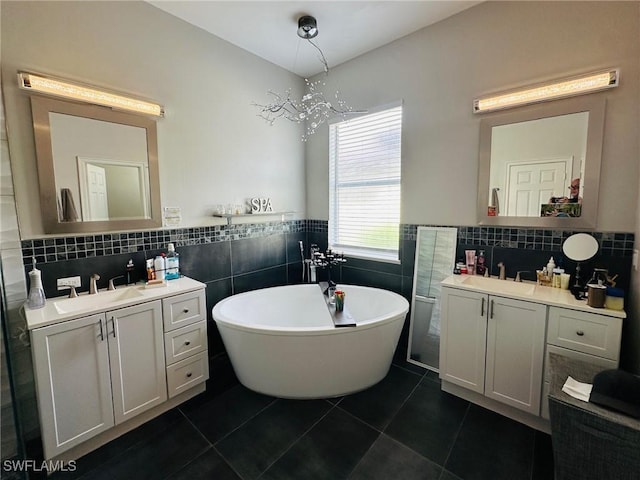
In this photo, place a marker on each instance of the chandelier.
(313, 108)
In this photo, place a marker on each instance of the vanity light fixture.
(579, 85)
(72, 91)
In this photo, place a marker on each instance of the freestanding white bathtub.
(282, 340)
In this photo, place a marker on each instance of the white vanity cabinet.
(463, 338)
(136, 356)
(98, 371)
(73, 380)
(101, 374)
(515, 352)
(494, 346)
(496, 336)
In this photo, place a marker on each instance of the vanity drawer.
(184, 342)
(585, 332)
(187, 373)
(184, 309)
(605, 363)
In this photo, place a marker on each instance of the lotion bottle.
(550, 266)
(159, 267)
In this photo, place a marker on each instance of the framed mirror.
(97, 168)
(539, 166)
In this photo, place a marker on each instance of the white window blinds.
(364, 184)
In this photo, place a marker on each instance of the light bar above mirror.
(568, 87)
(61, 88)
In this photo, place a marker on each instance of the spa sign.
(261, 205)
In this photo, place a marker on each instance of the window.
(364, 184)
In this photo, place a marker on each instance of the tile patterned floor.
(404, 428)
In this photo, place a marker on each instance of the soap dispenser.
(36, 298)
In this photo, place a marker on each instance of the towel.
(579, 390)
(494, 200)
(69, 212)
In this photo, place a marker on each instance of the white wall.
(213, 149)
(494, 46)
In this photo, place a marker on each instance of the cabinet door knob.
(187, 343)
(186, 310)
(189, 375)
(580, 333)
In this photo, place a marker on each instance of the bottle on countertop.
(159, 266)
(151, 273)
(131, 272)
(36, 298)
(481, 268)
(550, 266)
(172, 263)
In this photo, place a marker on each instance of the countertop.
(60, 309)
(541, 294)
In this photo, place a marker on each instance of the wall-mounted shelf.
(231, 216)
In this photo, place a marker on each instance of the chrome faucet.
(111, 285)
(503, 275)
(93, 287)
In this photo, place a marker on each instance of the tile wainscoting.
(236, 258)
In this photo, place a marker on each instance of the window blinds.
(364, 184)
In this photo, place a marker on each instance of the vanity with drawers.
(106, 363)
(496, 336)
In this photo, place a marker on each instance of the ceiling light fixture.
(61, 88)
(579, 85)
(313, 108)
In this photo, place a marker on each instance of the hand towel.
(579, 390)
(494, 199)
(69, 212)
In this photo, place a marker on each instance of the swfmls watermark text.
(28, 465)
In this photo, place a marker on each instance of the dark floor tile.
(377, 405)
(208, 466)
(330, 451)
(97, 475)
(259, 442)
(429, 421)
(412, 367)
(223, 414)
(542, 457)
(91, 462)
(388, 459)
(491, 446)
(447, 475)
(432, 376)
(160, 456)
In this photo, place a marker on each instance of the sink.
(492, 285)
(102, 299)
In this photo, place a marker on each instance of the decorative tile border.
(85, 246)
(615, 244)
(70, 248)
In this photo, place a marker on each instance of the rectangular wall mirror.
(539, 166)
(97, 168)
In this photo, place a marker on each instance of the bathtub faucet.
(325, 261)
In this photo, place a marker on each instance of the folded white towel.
(579, 390)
